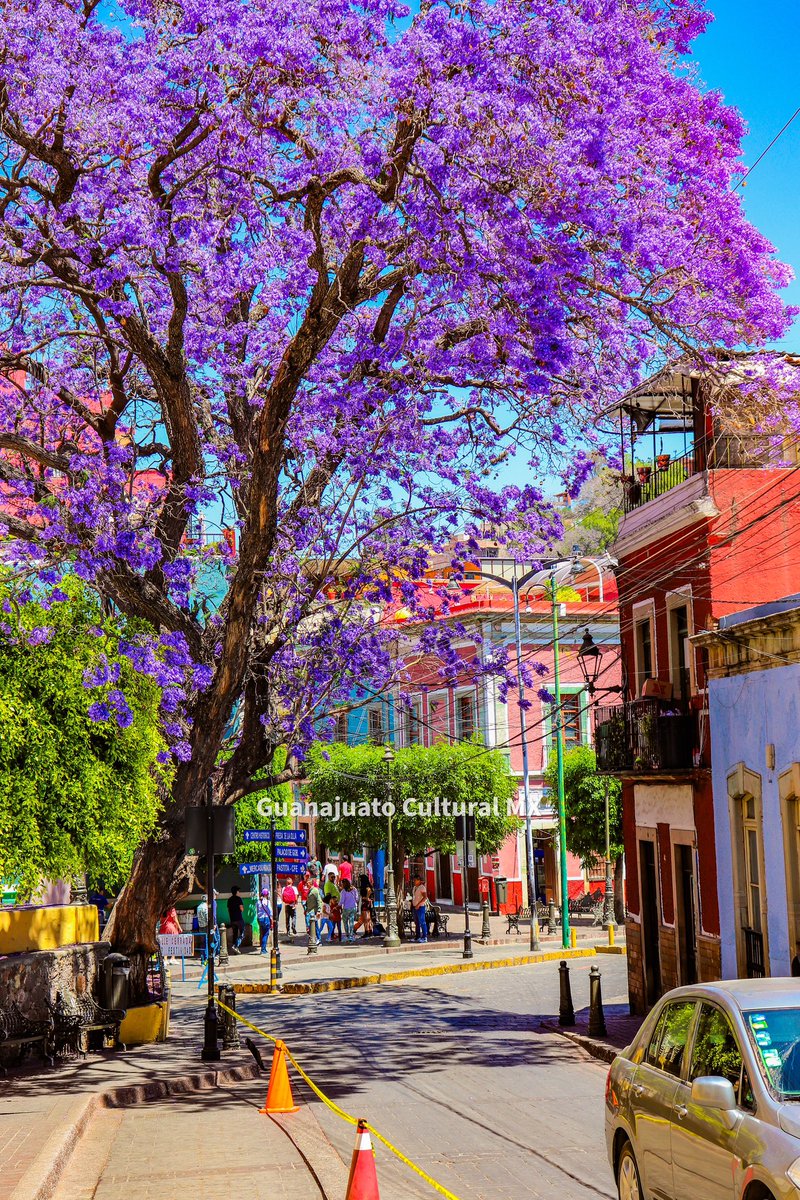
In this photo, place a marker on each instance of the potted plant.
(643, 474)
(662, 461)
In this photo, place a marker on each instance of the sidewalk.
(621, 1028)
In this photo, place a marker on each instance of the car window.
(651, 1053)
(716, 1051)
(676, 1021)
(776, 1037)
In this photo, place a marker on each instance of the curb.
(602, 1050)
(41, 1178)
(357, 981)
(611, 950)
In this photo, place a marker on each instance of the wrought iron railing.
(646, 736)
(726, 451)
(754, 953)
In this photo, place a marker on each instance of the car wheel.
(628, 1185)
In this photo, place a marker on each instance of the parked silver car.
(705, 1103)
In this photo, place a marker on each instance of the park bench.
(21, 1033)
(76, 1016)
(437, 921)
(523, 913)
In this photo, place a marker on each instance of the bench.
(523, 913)
(77, 1016)
(437, 921)
(21, 1033)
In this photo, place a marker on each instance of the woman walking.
(349, 902)
(365, 920)
(264, 918)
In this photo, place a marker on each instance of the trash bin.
(116, 985)
(501, 890)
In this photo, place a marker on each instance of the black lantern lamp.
(589, 657)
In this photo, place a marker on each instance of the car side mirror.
(712, 1091)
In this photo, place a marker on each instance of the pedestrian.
(365, 920)
(329, 889)
(418, 901)
(201, 917)
(325, 922)
(236, 917)
(313, 904)
(335, 910)
(345, 869)
(349, 903)
(303, 888)
(264, 918)
(289, 897)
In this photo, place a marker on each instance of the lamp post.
(391, 939)
(589, 657)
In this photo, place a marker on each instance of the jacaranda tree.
(314, 269)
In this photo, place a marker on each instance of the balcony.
(645, 737)
(724, 453)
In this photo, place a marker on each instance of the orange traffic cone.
(363, 1181)
(279, 1093)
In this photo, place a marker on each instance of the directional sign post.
(291, 837)
(261, 868)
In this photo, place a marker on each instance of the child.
(336, 918)
(349, 901)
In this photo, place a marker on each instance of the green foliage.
(75, 794)
(464, 773)
(584, 797)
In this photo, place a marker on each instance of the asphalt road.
(457, 1073)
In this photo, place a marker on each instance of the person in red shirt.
(346, 869)
(303, 888)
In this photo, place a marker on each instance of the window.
(340, 730)
(744, 792)
(643, 643)
(414, 725)
(789, 787)
(375, 719)
(465, 717)
(678, 633)
(572, 720)
(716, 1052)
(674, 1032)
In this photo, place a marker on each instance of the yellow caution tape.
(340, 1112)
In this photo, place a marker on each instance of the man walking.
(236, 917)
(418, 902)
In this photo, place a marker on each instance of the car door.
(652, 1099)
(704, 1140)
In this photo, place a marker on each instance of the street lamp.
(589, 657)
(391, 939)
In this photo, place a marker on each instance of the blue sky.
(750, 54)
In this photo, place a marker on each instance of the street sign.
(298, 852)
(282, 863)
(292, 837)
(261, 868)
(176, 945)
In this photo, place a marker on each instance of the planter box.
(146, 1023)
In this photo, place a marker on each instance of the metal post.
(486, 929)
(275, 960)
(228, 1023)
(392, 939)
(608, 899)
(210, 1051)
(313, 941)
(557, 734)
(467, 952)
(223, 947)
(597, 1020)
(566, 1011)
(523, 733)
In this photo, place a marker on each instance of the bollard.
(573, 937)
(313, 942)
(566, 1012)
(597, 1021)
(486, 929)
(230, 1026)
(611, 940)
(223, 946)
(273, 971)
(551, 917)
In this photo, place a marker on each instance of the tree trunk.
(619, 890)
(154, 883)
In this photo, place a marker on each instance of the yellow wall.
(150, 1023)
(24, 929)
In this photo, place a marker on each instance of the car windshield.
(776, 1034)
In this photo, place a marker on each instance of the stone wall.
(31, 980)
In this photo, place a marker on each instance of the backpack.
(289, 895)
